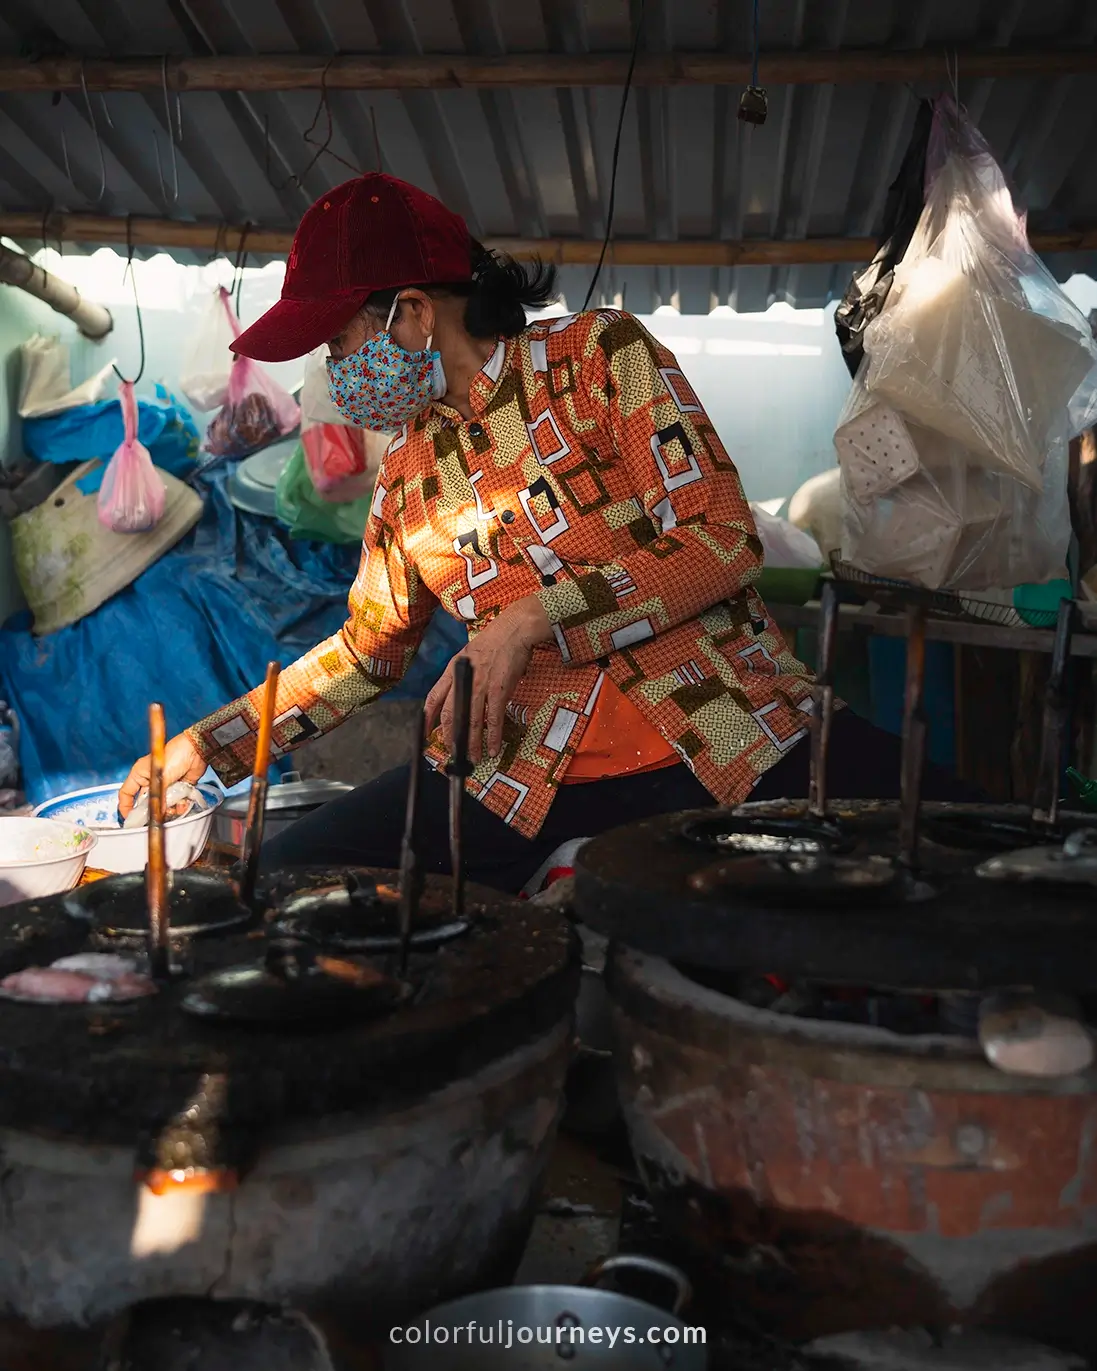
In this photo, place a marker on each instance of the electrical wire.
(616, 157)
(754, 51)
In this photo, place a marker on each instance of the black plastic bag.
(866, 293)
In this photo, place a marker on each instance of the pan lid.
(292, 793)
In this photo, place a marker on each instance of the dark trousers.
(365, 827)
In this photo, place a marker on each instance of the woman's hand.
(499, 655)
(182, 762)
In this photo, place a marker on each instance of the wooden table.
(998, 729)
(960, 632)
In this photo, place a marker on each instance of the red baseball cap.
(372, 233)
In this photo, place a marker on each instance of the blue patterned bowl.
(126, 849)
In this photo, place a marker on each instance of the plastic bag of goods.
(256, 412)
(45, 380)
(342, 459)
(132, 496)
(785, 545)
(207, 362)
(308, 516)
(953, 442)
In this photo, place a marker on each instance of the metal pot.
(575, 1325)
(286, 803)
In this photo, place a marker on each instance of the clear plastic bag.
(342, 459)
(785, 545)
(45, 381)
(256, 413)
(132, 496)
(978, 371)
(207, 362)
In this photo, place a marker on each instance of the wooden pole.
(369, 72)
(156, 872)
(93, 321)
(624, 252)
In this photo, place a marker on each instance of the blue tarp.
(195, 631)
(96, 431)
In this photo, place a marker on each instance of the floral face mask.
(382, 386)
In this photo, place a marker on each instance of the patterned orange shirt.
(591, 476)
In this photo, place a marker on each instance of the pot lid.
(293, 793)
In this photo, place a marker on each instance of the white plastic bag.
(45, 380)
(132, 496)
(953, 443)
(785, 545)
(342, 459)
(207, 361)
(817, 509)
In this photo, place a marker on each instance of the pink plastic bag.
(132, 496)
(340, 457)
(256, 412)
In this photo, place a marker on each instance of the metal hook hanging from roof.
(323, 148)
(241, 264)
(174, 197)
(136, 304)
(95, 130)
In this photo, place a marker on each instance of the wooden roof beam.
(624, 252)
(369, 72)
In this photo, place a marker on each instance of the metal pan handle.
(652, 1266)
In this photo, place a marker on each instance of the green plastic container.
(788, 585)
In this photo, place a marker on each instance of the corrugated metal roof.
(535, 162)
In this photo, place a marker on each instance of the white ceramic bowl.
(127, 849)
(40, 857)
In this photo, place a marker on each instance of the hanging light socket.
(753, 105)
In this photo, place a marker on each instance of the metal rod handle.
(1045, 801)
(462, 711)
(257, 800)
(411, 875)
(823, 700)
(459, 768)
(914, 738)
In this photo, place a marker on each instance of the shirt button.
(507, 516)
(548, 580)
(476, 431)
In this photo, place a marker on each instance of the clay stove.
(341, 1097)
(843, 1175)
(387, 1163)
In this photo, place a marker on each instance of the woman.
(560, 489)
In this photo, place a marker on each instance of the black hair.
(497, 297)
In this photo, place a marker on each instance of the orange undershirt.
(619, 741)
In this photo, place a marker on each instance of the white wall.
(773, 383)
